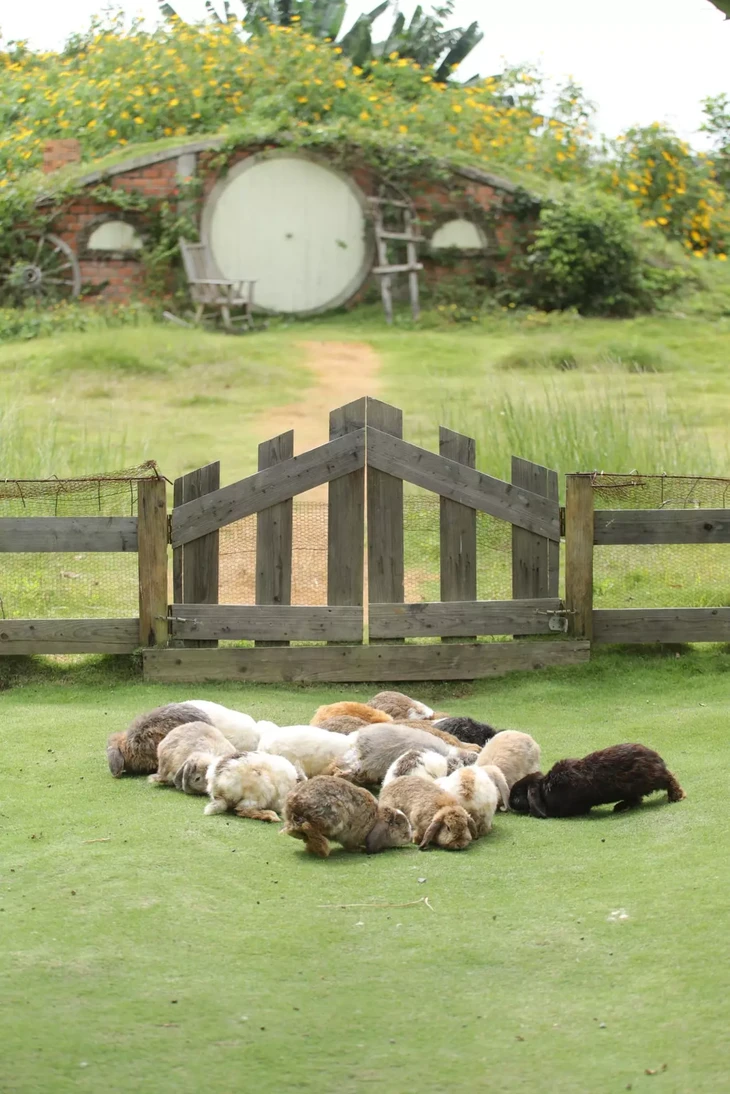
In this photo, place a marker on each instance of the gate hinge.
(562, 520)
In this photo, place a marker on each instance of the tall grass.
(589, 429)
(34, 447)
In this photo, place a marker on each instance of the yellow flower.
(340, 84)
(402, 128)
(174, 102)
(364, 116)
(457, 109)
(197, 92)
(393, 56)
(302, 99)
(662, 221)
(721, 258)
(138, 120)
(112, 133)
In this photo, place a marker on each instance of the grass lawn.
(157, 961)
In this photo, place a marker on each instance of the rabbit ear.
(377, 838)
(179, 779)
(472, 827)
(116, 761)
(431, 832)
(537, 808)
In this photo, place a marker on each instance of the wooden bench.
(208, 290)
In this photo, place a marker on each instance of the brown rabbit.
(400, 707)
(352, 710)
(198, 742)
(326, 808)
(343, 723)
(436, 816)
(134, 752)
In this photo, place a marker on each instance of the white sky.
(639, 60)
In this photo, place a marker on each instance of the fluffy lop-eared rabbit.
(351, 710)
(134, 752)
(240, 729)
(435, 731)
(343, 723)
(423, 762)
(515, 754)
(377, 747)
(467, 730)
(622, 774)
(400, 707)
(475, 791)
(251, 784)
(314, 749)
(436, 816)
(326, 808)
(186, 753)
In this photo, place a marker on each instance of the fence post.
(385, 518)
(152, 561)
(579, 555)
(346, 517)
(535, 559)
(458, 530)
(200, 557)
(274, 535)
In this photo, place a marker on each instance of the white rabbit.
(312, 748)
(240, 729)
(476, 792)
(251, 784)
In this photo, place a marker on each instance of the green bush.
(587, 254)
(35, 320)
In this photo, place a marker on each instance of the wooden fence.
(586, 528)
(365, 464)
(146, 534)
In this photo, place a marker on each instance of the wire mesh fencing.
(77, 585)
(661, 575)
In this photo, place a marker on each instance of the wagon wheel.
(47, 272)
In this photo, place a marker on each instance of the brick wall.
(124, 275)
(59, 153)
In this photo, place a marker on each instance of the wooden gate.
(366, 435)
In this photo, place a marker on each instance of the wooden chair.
(210, 291)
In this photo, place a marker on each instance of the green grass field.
(182, 953)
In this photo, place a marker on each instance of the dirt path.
(342, 371)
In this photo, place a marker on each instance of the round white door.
(294, 224)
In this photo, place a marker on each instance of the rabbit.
(343, 723)
(352, 710)
(376, 747)
(176, 749)
(467, 730)
(515, 754)
(435, 731)
(134, 752)
(423, 762)
(435, 815)
(475, 791)
(325, 808)
(313, 748)
(240, 729)
(495, 774)
(250, 784)
(622, 774)
(400, 707)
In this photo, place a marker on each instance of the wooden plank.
(463, 484)
(200, 557)
(553, 583)
(662, 625)
(611, 526)
(274, 532)
(58, 534)
(346, 518)
(29, 636)
(386, 569)
(458, 530)
(579, 555)
(177, 552)
(152, 570)
(242, 499)
(461, 618)
(529, 550)
(359, 664)
(261, 622)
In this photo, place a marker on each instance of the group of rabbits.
(442, 778)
